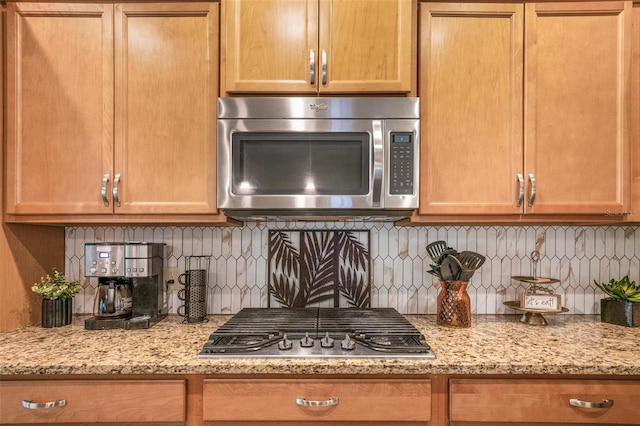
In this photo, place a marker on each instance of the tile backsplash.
(576, 255)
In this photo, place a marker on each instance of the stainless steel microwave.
(301, 156)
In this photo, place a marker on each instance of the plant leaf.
(317, 271)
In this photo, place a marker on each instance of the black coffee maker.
(131, 290)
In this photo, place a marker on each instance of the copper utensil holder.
(454, 304)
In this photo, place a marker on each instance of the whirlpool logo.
(318, 107)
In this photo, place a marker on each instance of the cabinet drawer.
(280, 400)
(543, 401)
(94, 401)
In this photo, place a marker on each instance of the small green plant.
(56, 287)
(624, 289)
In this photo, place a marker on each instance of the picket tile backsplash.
(576, 255)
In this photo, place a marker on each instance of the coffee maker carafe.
(113, 299)
(131, 291)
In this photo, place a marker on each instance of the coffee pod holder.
(194, 290)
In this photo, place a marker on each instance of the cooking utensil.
(450, 268)
(436, 249)
(435, 273)
(470, 261)
(448, 252)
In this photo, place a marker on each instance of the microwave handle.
(378, 148)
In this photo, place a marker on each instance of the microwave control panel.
(401, 163)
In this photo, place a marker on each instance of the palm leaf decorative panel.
(319, 268)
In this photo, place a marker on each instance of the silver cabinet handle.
(532, 196)
(605, 403)
(37, 405)
(116, 183)
(103, 189)
(310, 403)
(312, 67)
(521, 193)
(324, 67)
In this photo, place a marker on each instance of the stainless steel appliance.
(318, 156)
(131, 291)
(317, 332)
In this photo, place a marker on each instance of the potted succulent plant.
(623, 304)
(57, 298)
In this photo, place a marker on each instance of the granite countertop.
(495, 344)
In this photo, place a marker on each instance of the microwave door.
(300, 164)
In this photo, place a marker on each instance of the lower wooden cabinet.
(434, 400)
(329, 400)
(90, 401)
(514, 401)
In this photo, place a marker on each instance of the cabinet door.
(165, 102)
(367, 46)
(59, 107)
(577, 97)
(471, 108)
(269, 46)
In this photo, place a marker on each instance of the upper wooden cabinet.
(635, 118)
(111, 112)
(318, 46)
(558, 146)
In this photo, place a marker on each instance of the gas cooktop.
(317, 332)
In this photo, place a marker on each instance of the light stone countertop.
(495, 344)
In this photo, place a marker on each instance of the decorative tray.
(537, 280)
(533, 316)
(515, 304)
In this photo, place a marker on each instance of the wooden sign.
(542, 302)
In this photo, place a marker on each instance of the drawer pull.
(605, 403)
(37, 405)
(310, 403)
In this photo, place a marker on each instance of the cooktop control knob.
(326, 341)
(306, 341)
(348, 344)
(285, 344)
